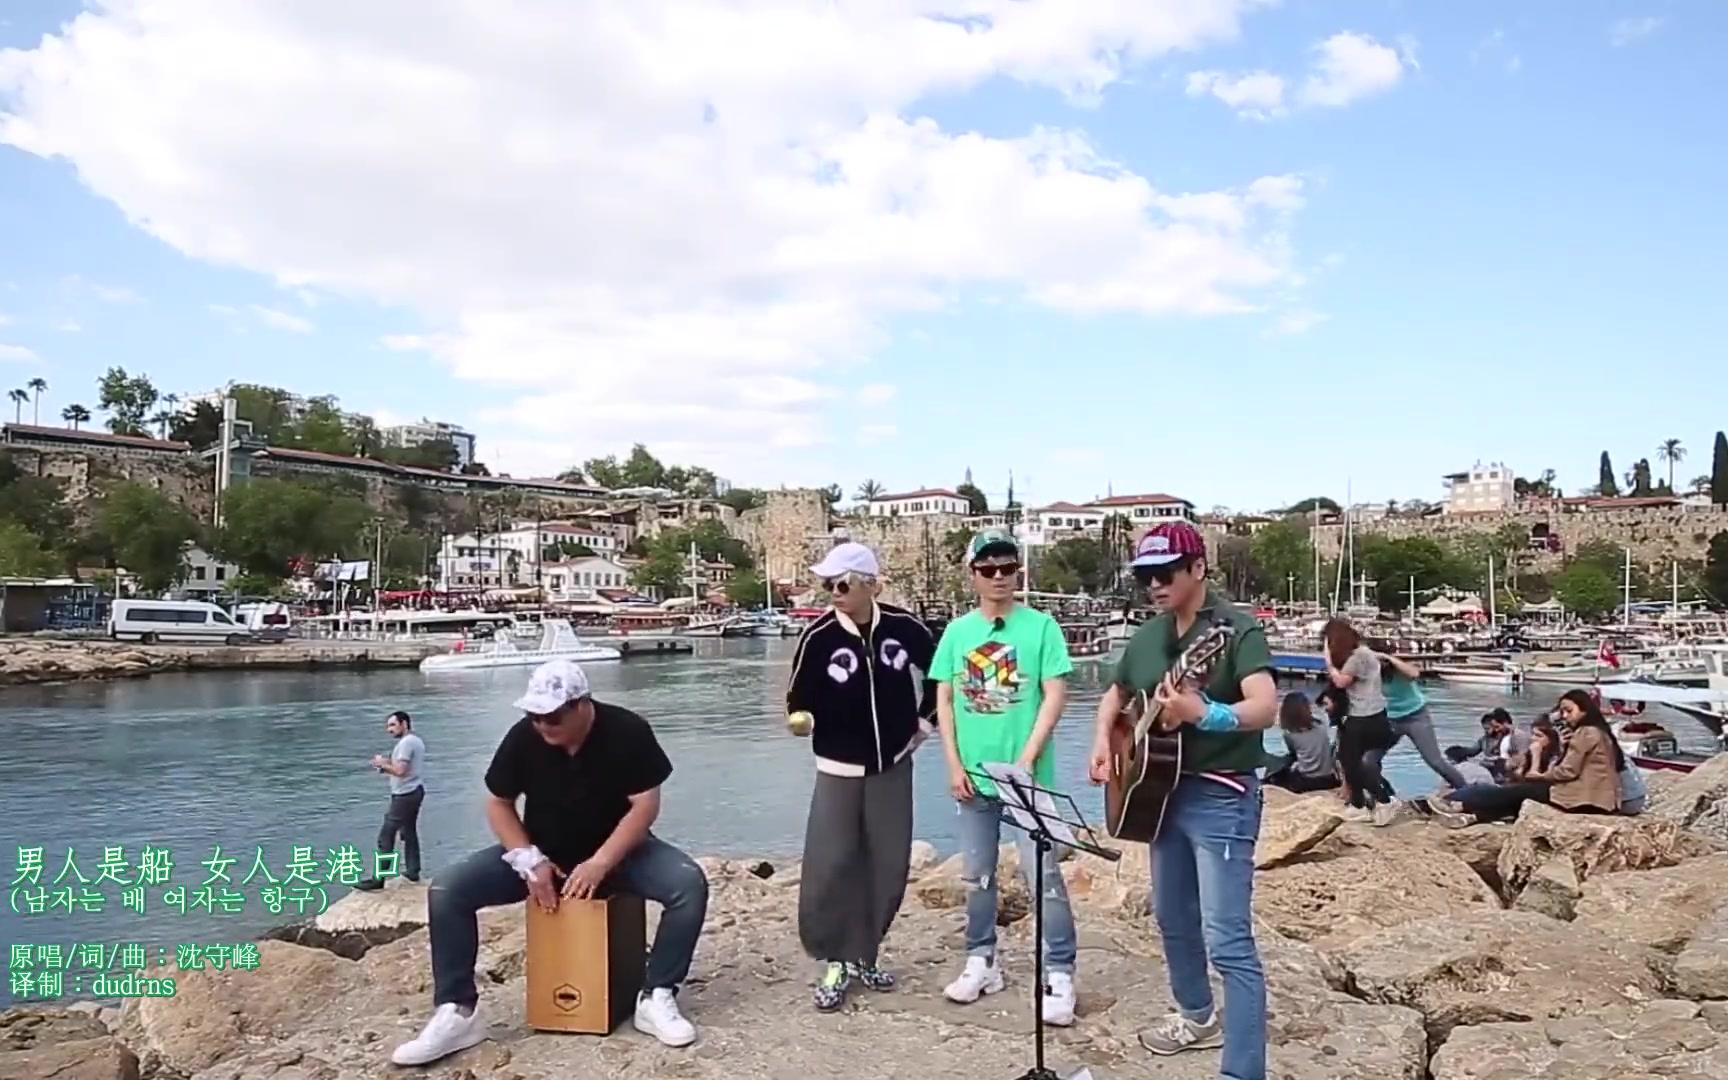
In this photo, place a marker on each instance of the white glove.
(524, 860)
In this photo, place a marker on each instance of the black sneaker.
(831, 992)
(370, 884)
(411, 877)
(873, 977)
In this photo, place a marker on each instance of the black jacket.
(864, 696)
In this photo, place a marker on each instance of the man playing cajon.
(591, 774)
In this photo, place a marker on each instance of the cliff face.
(1391, 954)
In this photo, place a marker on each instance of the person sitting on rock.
(1311, 764)
(591, 775)
(1585, 779)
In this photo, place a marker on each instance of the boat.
(1120, 625)
(1587, 672)
(1500, 673)
(1649, 745)
(1086, 638)
(1686, 664)
(557, 642)
(725, 626)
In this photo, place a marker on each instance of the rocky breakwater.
(1555, 947)
(25, 660)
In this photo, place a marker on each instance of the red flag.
(1606, 654)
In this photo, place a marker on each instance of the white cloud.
(280, 320)
(1294, 323)
(112, 294)
(876, 394)
(69, 326)
(696, 217)
(18, 354)
(1350, 67)
(1347, 67)
(872, 434)
(1257, 95)
(1626, 31)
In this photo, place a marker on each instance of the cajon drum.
(585, 963)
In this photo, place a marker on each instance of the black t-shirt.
(576, 800)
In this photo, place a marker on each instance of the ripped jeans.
(1203, 895)
(980, 839)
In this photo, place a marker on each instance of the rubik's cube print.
(991, 677)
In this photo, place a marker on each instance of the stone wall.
(84, 473)
(1656, 537)
(793, 528)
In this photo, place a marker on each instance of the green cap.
(992, 542)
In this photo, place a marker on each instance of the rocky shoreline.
(30, 660)
(1558, 947)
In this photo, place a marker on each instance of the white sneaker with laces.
(1058, 1003)
(1385, 814)
(447, 1032)
(1356, 813)
(981, 976)
(657, 1015)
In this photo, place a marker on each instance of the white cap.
(554, 684)
(847, 558)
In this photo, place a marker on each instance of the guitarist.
(1203, 858)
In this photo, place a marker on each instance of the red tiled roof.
(287, 454)
(922, 494)
(1137, 500)
(1607, 502)
(142, 442)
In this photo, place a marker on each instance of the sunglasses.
(996, 570)
(837, 586)
(1162, 575)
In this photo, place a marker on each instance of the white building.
(432, 431)
(507, 558)
(573, 581)
(1485, 489)
(927, 501)
(1144, 510)
(206, 575)
(1058, 521)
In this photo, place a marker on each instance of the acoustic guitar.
(1145, 757)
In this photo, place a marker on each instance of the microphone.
(999, 623)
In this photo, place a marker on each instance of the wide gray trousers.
(857, 851)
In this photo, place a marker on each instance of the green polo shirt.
(1150, 653)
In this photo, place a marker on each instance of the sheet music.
(1006, 775)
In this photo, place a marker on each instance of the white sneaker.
(1385, 814)
(657, 1015)
(1355, 813)
(980, 977)
(1058, 1004)
(447, 1032)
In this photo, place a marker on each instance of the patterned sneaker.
(873, 977)
(1176, 1033)
(830, 993)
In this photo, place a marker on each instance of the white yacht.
(557, 642)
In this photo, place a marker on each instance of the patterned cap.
(992, 542)
(554, 684)
(1168, 542)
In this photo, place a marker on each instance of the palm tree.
(75, 415)
(870, 490)
(162, 419)
(37, 386)
(19, 397)
(1671, 451)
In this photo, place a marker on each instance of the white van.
(151, 621)
(267, 621)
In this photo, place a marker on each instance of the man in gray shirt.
(406, 793)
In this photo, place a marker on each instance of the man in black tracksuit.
(859, 684)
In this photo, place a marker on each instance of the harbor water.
(269, 761)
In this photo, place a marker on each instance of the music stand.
(1020, 795)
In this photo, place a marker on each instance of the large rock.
(1552, 890)
(1290, 829)
(1696, 795)
(1658, 1039)
(1595, 843)
(36, 1044)
(1330, 902)
(1496, 965)
(1660, 908)
(1701, 969)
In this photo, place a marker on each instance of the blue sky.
(1486, 231)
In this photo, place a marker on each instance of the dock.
(651, 646)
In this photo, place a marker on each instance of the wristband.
(524, 860)
(1218, 717)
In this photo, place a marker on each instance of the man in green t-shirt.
(1000, 674)
(1203, 858)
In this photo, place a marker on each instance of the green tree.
(1587, 590)
(22, 553)
(1243, 578)
(642, 469)
(977, 502)
(1542, 486)
(1700, 485)
(1606, 485)
(19, 397)
(1392, 563)
(742, 499)
(664, 568)
(268, 523)
(604, 472)
(75, 415)
(35, 503)
(128, 399)
(1719, 471)
(437, 455)
(269, 410)
(870, 490)
(1282, 549)
(570, 549)
(201, 426)
(954, 545)
(1638, 480)
(322, 428)
(1716, 569)
(1077, 564)
(1673, 453)
(746, 589)
(37, 387)
(146, 532)
(832, 494)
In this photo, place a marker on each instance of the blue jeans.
(980, 838)
(1202, 892)
(655, 871)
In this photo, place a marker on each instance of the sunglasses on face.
(1147, 576)
(837, 586)
(996, 570)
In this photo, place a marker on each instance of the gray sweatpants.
(857, 851)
